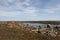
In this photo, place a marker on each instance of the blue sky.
(28, 10)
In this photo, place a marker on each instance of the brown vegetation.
(16, 32)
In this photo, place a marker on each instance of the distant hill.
(43, 22)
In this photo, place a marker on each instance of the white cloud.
(11, 10)
(49, 10)
(9, 14)
(27, 9)
(14, 4)
(32, 11)
(27, 2)
(10, 0)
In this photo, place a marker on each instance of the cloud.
(29, 9)
(27, 2)
(9, 14)
(12, 10)
(52, 9)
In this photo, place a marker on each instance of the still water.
(36, 25)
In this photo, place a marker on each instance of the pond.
(36, 25)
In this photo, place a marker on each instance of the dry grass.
(20, 33)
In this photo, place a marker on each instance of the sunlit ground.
(13, 31)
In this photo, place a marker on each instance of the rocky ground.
(12, 31)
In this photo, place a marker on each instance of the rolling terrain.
(13, 31)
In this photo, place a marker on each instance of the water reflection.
(36, 25)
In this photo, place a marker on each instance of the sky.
(29, 10)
